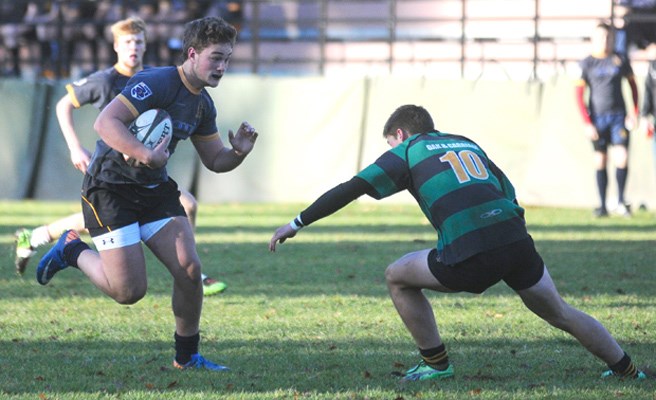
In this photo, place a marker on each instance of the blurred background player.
(634, 24)
(605, 112)
(98, 90)
(648, 110)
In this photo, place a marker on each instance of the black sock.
(620, 175)
(185, 347)
(436, 357)
(602, 184)
(72, 253)
(625, 367)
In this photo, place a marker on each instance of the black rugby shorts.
(518, 264)
(107, 206)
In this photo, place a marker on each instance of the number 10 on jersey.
(466, 165)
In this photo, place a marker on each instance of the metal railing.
(312, 40)
(456, 38)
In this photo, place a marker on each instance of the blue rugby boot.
(199, 362)
(54, 261)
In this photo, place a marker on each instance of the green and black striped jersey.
(466, 197)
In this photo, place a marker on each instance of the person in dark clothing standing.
(604, 113)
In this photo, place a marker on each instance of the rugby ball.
(151, 128)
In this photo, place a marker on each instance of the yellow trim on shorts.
(95, 214)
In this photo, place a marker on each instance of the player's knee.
(190, 274)
(129, 297)
(393, 274)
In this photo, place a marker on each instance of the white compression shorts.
(129, 235)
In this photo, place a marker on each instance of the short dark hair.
(409, 118)
(203, 32)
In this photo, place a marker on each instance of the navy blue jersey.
(465, 196)
(192, 113)
(99, 88)
(604, 79)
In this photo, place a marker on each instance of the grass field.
(313, 321)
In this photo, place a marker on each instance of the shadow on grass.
(300, 268)
(63, 367)
(424, 231)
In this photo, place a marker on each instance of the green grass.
(314, 321)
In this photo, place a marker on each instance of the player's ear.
(400, 134)
(191, 53)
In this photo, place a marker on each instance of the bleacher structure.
(454, 39)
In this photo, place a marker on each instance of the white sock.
(40, 236)
(203, 276)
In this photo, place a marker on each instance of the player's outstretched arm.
(327, 204)
(283, 233)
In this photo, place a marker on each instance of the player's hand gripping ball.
(151, 128)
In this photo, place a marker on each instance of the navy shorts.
(107, 206)
(518, 264)
(611, 130)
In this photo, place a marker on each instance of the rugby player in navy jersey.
(482, 239)
(98, 89)
(604, 115)
(125, 205)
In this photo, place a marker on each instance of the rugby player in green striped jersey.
(481, 239)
